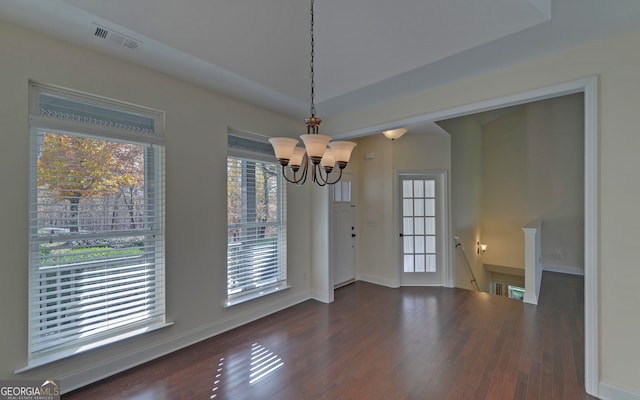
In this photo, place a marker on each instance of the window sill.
(59, 355)
(255, 295)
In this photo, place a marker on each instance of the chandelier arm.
(303, 178)
(329, 182)
(305, 170)
(337, 179)
(314, 179)
(320, 179)
(317, 175)
(297, 181)
(284, 175)
(324, 180)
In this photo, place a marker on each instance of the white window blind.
(256, 249)
(96, 225)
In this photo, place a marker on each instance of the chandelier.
(320, 155)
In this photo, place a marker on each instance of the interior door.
(343, 232)
(422, 219)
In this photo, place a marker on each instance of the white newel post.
(532, 272)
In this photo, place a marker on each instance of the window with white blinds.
(256, 248)
(96, 270)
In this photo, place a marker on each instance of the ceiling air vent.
(101, 32)
(115, 37)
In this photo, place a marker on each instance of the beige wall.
(514, 166)
(378, 243)
(505, 198)
(617, 63)
(466, 199)
(196, 126)
(533, 169)
(555, 159)
(197, 121)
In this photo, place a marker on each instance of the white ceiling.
(367, 51)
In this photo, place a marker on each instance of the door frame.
(588, 86)
(443, 232)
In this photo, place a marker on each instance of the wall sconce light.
(482, 248)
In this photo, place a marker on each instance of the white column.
(532, 271)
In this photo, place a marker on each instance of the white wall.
(616, 62)
(196, 126)
(321, 277)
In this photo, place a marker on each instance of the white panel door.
(421, 229)
(343, 244)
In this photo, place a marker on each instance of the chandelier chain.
(313, 160)
(313, 86)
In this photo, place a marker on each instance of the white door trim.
(588, 86)
(441, 177)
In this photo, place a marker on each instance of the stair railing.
(466, 260)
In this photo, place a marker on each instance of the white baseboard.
(564, 269)
(530, 298)
(610, 392)
(379, 280)
(427, 285)
(108, 367)
(322, 297)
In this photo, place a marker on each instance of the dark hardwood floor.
(379, 343)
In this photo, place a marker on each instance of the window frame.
(153, 147)
(252, 147)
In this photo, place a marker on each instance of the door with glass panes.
(421, 229)
(343, 245)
